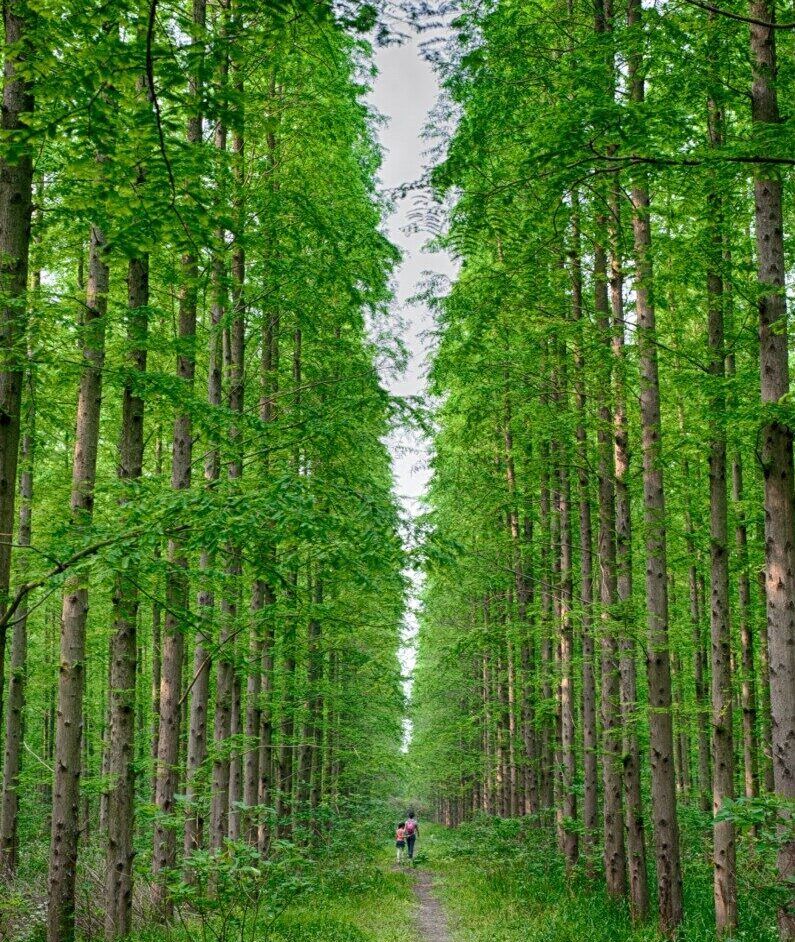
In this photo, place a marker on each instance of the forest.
(214, 710)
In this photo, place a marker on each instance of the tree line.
(608, 635)
(201, 579)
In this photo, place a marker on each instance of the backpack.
(411, 827)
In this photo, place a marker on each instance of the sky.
(404, 92)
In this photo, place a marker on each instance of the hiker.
(412, 833)
(400, 840)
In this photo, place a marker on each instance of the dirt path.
(431, 918)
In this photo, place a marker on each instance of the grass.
(374, 907)
(348, 892)
(502, 882)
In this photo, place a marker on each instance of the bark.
(764, 679)
(224, 676)
(615, 860)
(251, 762)
(269, 377)
(71, 680)
(202, 654)
(235, 764)
(314, 732)
(567, 810)
(529, 668)
(547, 665)
(776, 440)
(724, 851)
(123, 645)
(286, 783)
(663, 773)
(633, 801)
(177, 584)
(157, 639)
(590, 764)
(522, 590)
(241, 775)
(699, 671)
(15, 716)
(16, 191)
(749, 694)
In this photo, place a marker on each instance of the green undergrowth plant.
(504, 881)
(337, 887)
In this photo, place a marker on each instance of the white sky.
(405, 91)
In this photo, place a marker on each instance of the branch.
(737, 16)
(26, 588)
(690, 161)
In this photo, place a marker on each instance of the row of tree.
(201, 579)
(607, 477)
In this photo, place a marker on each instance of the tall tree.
(776, 433)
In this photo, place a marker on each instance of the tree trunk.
(746, 617)
(123, 645)
(633, 801)
(202, 654)
(269, 386)
(568, 743)
(69, 727)
(663, 774)
(235, 763)
(547, 744)
(15, 717)
(157, 639)
(724, 851)
(776, 440)
(16, 190)
(590, 747)
(615, 861)
(177, 583)
(252, 758)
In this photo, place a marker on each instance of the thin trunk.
(266, 757)
(224, 676)
(202, 653)
(177, 582)
(16, 192)
(546, 772)
(748, 691)
(74, 612)
(633, 800)
(776, 439)
(589, 728)
(764, 683)
(746, 616)
(568, 740)
(157, 638)
(15, 716)
(724, 851)
(235, 763)
(251, 761)
(236, 402)
(615, 860)
(123, 645)
(663, 774)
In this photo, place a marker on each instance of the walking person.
(412, 832)
(400, 841)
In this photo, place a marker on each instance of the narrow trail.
(431, 918)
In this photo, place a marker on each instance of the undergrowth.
(504, 881)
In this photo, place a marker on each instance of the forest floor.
(503, 881)
(431, 917)
(488, 881)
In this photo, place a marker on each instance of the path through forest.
(431, 918)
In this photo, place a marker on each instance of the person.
(412, 833)
(400, 840)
